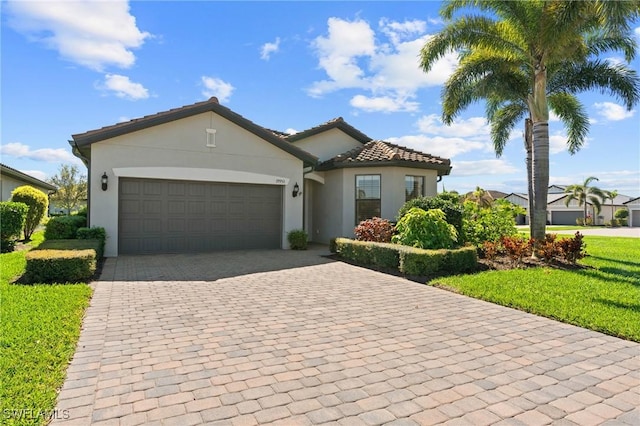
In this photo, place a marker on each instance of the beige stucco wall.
(177, 150)
(335, 205)
(9, 183)
(328, 144)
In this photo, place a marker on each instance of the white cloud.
(49, 155)
(557, 143)
(291, 131)
(354, 56)
(383, 104)
(217, 87)
(447, 147)
(475, 127)
(637, 32)
(124, 88)
(612, 111)
(482, 168)
(269, 48)
(94, 34)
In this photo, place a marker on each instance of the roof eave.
(442, 169)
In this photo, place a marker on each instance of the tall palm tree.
(586, 195)
(527, 57)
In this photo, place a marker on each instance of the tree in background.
(611, 195)
(586, 194)
(72, 187)
(37, 202)
(525, 58)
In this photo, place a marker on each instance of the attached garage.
(175, 216)
(567, 217)
(635, 218)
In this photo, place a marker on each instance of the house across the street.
(11, 178)
(202, 178)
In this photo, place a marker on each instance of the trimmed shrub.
(483, 224)
(448, 202)
(94, 233)
(297, 239)
(59, 266)
(425, 229)
(375, 229)
(97, 245)
(408, 260)
(516, 247)
(63, 227)
(621, 214)
(12, 216)
(572, 249)
(83, 212)
(548, 249)
(37, 201)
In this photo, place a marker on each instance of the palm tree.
(525, 58)
(611, 195)
(481, 197)
(586, 194)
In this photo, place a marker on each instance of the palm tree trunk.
(528, 140)
(540, 167)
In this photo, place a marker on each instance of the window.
(413, 187)
(367, 197)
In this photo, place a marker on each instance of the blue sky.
(69, 67)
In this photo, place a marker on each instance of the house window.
(367, 197)
(413, 187)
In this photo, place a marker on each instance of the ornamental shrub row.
(64, 227)
(59, 266)
(408, 260)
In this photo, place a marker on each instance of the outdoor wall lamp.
(296, 190)
(104, 180)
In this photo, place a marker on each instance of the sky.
(68, 67)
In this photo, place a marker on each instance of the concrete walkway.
(293, 338)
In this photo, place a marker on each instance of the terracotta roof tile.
(385, 153)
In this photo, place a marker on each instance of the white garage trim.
(199, 174)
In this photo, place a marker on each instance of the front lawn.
(605, 297)
(39, 329)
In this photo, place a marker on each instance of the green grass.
(604, 298)
(39, 329)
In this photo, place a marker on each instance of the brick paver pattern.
(205, 339)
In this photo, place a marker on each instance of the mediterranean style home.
(558, 213)
(202, 177)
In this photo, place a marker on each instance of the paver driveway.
(294, 338)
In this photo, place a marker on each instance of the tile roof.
(381, 153)
(81, 142)
(335, 123)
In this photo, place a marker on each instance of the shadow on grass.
(623, 262)
(621, 305)
(605, 274)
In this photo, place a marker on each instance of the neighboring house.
(634, 211)
(11, 178)
(201, 178)
(560, 214)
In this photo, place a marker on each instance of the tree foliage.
(37, 201)
(72, 187)
(425, 229)
(585, 194)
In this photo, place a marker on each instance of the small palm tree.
(611, 195)
(481, 197)
(586, 194)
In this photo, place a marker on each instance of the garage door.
(566, 217)
(169, 216)
(635, 218)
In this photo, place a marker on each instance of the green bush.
(97, 245)
(621, 214)
(448, 202)
(332, 245)
(12, 218)
(93, 233)
(59, 266)
(63, 227)
(408, 260)
(297, 239)
(482, 224)
(425, 229)
(82, 212)
(37, 201)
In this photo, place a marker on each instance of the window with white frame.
(368, 203)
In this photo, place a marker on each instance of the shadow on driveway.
(209, 266)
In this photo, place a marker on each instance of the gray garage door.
(635, 218)
(169, 216)
(565, 218)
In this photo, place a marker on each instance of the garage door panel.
(565, 217)
(635, 218)
(164, 216)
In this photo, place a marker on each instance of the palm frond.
(574, 116)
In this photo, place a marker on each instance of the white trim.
(314, 176)
(208, 175)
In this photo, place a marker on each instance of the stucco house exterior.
(558, 213)
(202, 177)
(11, 178)
(634, 211)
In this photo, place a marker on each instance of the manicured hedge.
(63, 227)
(59, 266)
(96, 245)
(408, 260)
(12, 216)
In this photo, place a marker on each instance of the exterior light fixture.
(104, 180)
(296, 190)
